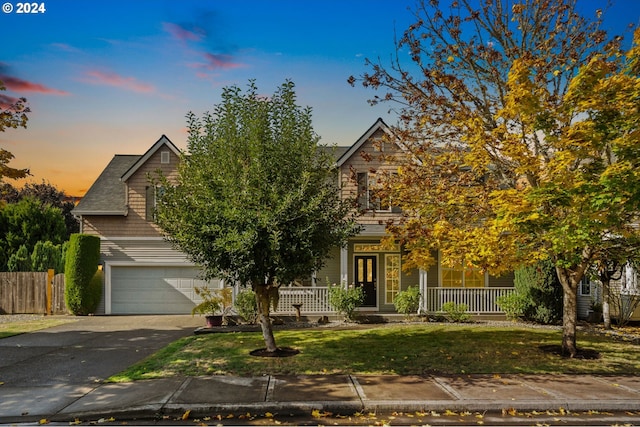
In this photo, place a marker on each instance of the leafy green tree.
(522, 120)
(47, 256)
(47, 194)
(13, 114)
(26, 223)
(256, 200)
(20, 260)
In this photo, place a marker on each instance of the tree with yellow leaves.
(522, 121)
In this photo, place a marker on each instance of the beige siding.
(135, 222)
(368, 159)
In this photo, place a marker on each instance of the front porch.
(315, 300)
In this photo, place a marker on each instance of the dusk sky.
(110, 77)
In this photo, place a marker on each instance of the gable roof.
(378, 125)
(107, 195)
(150, 152)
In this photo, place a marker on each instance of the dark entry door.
(366, 277)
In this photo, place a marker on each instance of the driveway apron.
(54, 366)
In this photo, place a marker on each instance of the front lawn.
(401, 349)
(33, 323)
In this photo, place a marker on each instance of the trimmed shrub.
(456, 313)
(513, 305)
(246, 306)
(538, 294)
(346, 300)
(407, 302)
(83, 254)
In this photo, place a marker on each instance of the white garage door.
(153, 290)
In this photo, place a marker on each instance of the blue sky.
(110, 77)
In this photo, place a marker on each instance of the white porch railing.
(315, 299)
(478, 300)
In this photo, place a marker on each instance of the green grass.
(402, 349)
(16, 328)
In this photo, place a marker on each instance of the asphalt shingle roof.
(107, 194)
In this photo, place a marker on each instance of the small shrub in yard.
(246, 306)
(407, 302)
(513, 305)
(345, 300)
(456, 313)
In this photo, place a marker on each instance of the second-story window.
(367, 197)
(151, 200)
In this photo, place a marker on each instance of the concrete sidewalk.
(300, 395)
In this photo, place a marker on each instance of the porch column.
(344, 266)
(422, 276)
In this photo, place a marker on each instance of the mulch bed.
(583, 353)
(280, 352)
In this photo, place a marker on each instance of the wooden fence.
(26, 293)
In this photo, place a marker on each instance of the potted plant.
(215, 305)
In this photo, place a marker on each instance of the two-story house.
(144, 274)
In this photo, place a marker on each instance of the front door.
(366, 277)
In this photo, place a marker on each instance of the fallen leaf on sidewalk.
(186, 414)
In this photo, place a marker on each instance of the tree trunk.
(606, 307)
(263, 300)
(569, 310)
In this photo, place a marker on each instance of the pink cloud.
(116, 80)
(19, 85)
(7, 102)
(219, 61)
(182, 33)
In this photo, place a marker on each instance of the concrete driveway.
(88, 349)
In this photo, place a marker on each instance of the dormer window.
(165, 156)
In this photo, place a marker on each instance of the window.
(367, 199)
(391, 276)
(152, 194)
(164, 157)
(375, 247)
(585, 287)
(459, 277)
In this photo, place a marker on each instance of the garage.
(151, 289)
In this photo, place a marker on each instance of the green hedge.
(82, 294)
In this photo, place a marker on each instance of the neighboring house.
(624, 291)
(144, 274)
